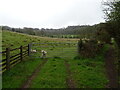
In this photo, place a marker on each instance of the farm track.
(34, 74)
(70, 82)
(110, 69)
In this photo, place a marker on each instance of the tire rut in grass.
(70, 82)
(34, 74)
(111, 70)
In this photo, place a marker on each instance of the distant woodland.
(68, 32)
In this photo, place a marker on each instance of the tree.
(112, 12)
(102, 35)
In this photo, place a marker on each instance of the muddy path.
(69, 80)
(28, 83)
(111, 70)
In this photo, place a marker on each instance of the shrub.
(76, 57)
(89, 48)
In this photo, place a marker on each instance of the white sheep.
(112, 40)
(98, 42)
(83, 39)
(43, 53)
(33, 51)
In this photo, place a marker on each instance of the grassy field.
(19, 73)
(15, 40)
(89, 73)
(53, 75)
(86, 72)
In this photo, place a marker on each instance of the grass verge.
(19, 73)
(89, 73)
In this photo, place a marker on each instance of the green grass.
(60, 51)
(15, 40)
(86, 72)
(19, 73)
(52, 75)
(89, 73)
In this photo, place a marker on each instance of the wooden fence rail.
(11, 60)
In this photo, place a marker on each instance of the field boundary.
(49, 46)
(10, 61)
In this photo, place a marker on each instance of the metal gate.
(62, 50)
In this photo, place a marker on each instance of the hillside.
(61, 69)
(67, 44)
(14, 39)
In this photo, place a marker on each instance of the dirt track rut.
(70, 82)
(34, 74)
(111, 69)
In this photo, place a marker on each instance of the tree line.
(78, 31)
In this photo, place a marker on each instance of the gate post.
(29, 49)
(8, 58)
(21, 53)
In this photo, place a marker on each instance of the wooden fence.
(10, 61)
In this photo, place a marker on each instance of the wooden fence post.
(21, 53)
(8, 58)
(28, 49)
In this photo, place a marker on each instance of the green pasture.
(19, 73)
(86, 72)
(52, 75)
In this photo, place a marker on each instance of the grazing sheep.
(33, 51)
(98, 42)
(82, 39)
(43, 53)
(112, 40)
(85, 40)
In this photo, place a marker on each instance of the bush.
(88, 49)
(76, 57)
(102, 34)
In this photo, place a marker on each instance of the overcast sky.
(50, 13)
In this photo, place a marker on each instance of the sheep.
(88, 39)
(85, 40)
(43, 53)
(98, 42)
(33, 51)
(112, 40)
